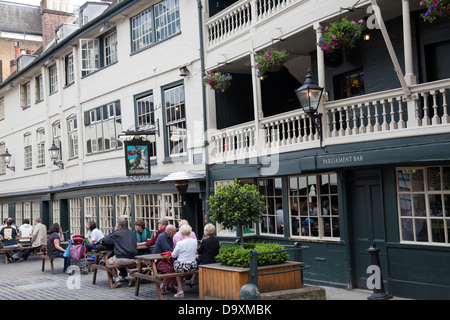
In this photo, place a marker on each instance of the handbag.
(67, 252)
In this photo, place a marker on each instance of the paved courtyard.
(26, 281)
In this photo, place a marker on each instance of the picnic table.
(146, 269)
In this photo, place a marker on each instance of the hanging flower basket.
(435, 9)
(217, 81)
(340, 35)
(270, 60)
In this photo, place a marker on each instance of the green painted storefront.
(368, 213)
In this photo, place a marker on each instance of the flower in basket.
(341, 34)
(435, 9)
(270, 60)
(217, 80)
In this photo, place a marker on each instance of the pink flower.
(361, 21)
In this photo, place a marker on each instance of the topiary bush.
(236, 255)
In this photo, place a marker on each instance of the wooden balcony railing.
(376, 116)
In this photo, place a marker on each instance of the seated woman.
(185, 254)
(93, 236)
(54, 249)
(209, 247)
(143, 234)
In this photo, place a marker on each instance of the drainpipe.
(205, 124)
(390, 48)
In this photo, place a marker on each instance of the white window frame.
(25, 95)
(2, 160)
(56, 136)
(18, 213)
(40, 146)
(90, 210)
(419, 208)
(175, 121)
(310, 207)
(75, 216)
(2, 108)
(53, 79)
(106, 214)
(69, 69)
(110, 51)
(27, 151)
(72, 136)
(38, 88)
(89, 56)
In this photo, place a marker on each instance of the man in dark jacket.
(125, 249)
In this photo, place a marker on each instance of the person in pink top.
(178, 236)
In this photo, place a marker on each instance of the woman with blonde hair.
(209, 247)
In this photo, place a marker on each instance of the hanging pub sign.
(137, 160)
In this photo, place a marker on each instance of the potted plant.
(217, 80)
(270, 60)
(236, 205)
(435, 9)
(340, 35)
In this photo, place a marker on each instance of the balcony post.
(320, 58)
(257, 104)
(410, 78)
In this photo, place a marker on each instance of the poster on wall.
(137, 161)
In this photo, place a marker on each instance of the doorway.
(366, 217)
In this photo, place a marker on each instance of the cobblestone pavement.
(26, 281)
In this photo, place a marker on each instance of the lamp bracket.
(149, 130)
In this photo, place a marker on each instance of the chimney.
(54, 13)
(12, 66)
(16, 49)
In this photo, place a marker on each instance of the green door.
(367, 226)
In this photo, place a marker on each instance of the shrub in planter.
(238, 256)
(237, 205)
(340, 35)
(435, 9)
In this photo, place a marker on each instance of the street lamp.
(54, 155)
(7, 158)
(309, 95)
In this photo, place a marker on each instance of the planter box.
(217, 281)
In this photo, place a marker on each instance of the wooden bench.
(5, 250)
(150, 273)
(107, 267)
(44, 256)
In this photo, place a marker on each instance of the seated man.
(178, 237)
(162, 224)
(8, 234)
(125, 249)
(165, 243)
(38, 238)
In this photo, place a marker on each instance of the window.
(155, 24)
(28, 154)
(2, 108)
(89, 56)
(38, 88)
(167, 19)
(68, 69)
(2, 160)
(53, 76)
(314, 210)
(56, 137)
(175, 121)
(56, 211)
(145, 111)
(27, 213)
(424, 204)
(123, 206)
(75, 215)
(35, 210)
(110, 48)
(349, 84)
(273, 221)
(40, 146)
(102, 126)
(25, 95)
(18, 215)
(106, 214)
(72, 135)
(90, 210)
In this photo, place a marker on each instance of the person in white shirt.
(26, 230)
(93, 235)
(185, 254)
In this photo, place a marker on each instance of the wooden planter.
(217, 281)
